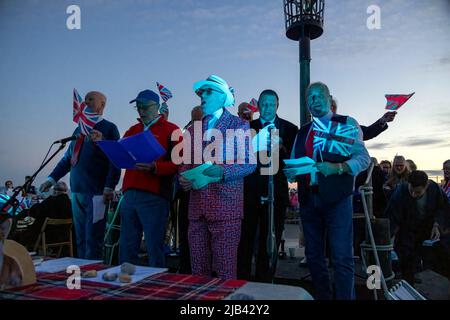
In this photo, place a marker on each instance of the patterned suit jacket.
(223, 200)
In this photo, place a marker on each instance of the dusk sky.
(125, 46)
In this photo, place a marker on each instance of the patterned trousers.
(214, 246)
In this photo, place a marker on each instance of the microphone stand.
(271, 238)
(12, 201)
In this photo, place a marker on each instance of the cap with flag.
(164, 92)
(395, 101)
(83, 115)
(253, 105)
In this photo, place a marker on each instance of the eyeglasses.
(145, 106)
(207, 90)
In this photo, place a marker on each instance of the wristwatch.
(341, 169)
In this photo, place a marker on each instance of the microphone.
(65, 140)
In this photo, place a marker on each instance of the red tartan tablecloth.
(167, 286)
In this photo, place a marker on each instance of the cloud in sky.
(378, 145)
(418, 142)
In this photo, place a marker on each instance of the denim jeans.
(90, 236)
(147, 212)
(334, 220)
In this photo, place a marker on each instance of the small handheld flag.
(395, 101)
(164, 92)
(253, 105)
(83, 115)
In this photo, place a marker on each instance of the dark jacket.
(373, 130)
(93, 171)
(404, 215)
(255, 184)
(56, 207)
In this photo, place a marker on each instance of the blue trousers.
(90, 236)
(335, 220)
(147, 212)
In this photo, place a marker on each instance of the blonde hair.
(393, 178)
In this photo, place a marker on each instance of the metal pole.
(305, 58)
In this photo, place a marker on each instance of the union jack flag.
(336, 137)
(83, 115)
(253, 105)
(395, 101)
(164, 92)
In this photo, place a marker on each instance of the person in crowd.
(411, 165)
(216, 210)
(244, 112)
(399, 173)
(386, 167)
(293, 199)
(147, 188)
(416, 209)
(446, 182)
(375, 128)
(93, 179)
(8, 188)
(256, 186)
(56, 206)
(326, 198)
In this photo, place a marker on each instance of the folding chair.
(43, 241)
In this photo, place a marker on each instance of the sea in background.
(435, 175)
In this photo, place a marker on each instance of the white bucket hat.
(218, 83)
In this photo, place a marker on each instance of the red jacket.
(159, 182)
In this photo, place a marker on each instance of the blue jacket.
(93, 171)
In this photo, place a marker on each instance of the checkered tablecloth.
(167, 286)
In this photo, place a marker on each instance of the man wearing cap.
(216, 210)
(326, 196)
(256, 187)
(91, 175)
(147, 189)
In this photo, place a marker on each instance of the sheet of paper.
(429, 243)
(99, 208)
(141, 273)
(57, 265)
(296, 167)
(196, 176)
(299, 162)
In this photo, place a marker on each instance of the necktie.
(309, 152)
(76, 150)
(206, 124)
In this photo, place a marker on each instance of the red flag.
(253, 105)
(395, 101)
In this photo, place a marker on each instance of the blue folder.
(140, 148)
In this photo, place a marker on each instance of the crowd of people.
(224, 225)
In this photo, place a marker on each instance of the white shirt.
(212, 122)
